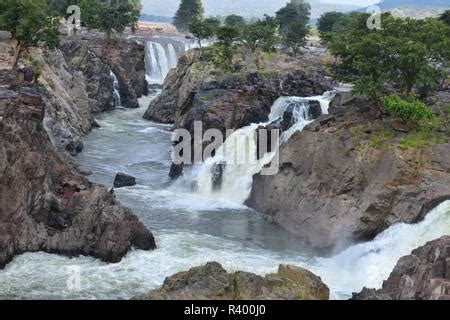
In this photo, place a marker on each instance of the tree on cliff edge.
(31, 22)
(188, 12)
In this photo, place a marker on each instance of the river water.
(192, 228)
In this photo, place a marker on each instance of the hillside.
(249, 8)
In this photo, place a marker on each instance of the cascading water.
(116, 89)
(238, 155)
(159, 59)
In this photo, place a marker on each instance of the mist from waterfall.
(237, 157)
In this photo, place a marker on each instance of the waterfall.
(116, 89)
(238, 155)
(160, 58)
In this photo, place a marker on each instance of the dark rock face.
(124, 180)
(332, 191)
(422, 275)
(212, 282)
(315, 109)
(45, 204)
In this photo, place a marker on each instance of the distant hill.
(389, 4)
(414, 8)
(247, 8)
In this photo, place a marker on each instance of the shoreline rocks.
(334, 188)
(45, 203)
(124, 180)
(422, 275)
(213, 282)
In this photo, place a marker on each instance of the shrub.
(409, 111)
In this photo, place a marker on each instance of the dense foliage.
(326, 23)
(409, 54)
(188, 12)
(293, 22)
(30, 22)
(409, 111)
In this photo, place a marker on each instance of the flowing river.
(193, 227)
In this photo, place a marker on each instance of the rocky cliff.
(347, 177)
(45, 204)
(78, 83)
(422, 275)
(213, 282)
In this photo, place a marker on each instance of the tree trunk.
(17, 56)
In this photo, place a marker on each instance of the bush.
(411, 111)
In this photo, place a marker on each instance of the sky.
(362, 3)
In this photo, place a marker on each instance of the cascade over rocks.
(332, 190)
(422, 275)
(47, 205)
(213, 282)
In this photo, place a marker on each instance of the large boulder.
(45, 203)
(213, 282)
(422, 275)
(334, 187)
(124, 180)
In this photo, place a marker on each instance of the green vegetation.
(30, 22)
(293, 22)
(201, 30)
(445, 17)
(235, 21)
(326, 23)
(37, 69)
(411, 111)
(188, 12)
(409, 54)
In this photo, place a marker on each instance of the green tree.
(326, 23)
(110, 17)
(30, 22)
(294, 11)
(201, 30)
(221, 54)
(445, 17)
(235, 20)
(188, 11)
(214, 22)
(295, 36)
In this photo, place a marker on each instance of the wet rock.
(315, 110)
(176, 170)
(74, 146)
(47, 205)
(124, 180)
(217, 175)
(347, 194)
(422, 275)
(213, 282)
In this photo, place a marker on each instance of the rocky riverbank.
(47, 205)
(213, 282)
(422, 275)
(348, 176)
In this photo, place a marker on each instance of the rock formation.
(213, 282)
(336, 185)
(45, 204)
(422, 275)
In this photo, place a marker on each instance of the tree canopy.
(30, 22)
(188, 12)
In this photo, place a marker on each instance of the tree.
(213, 22)
(110, 17)
(293, 21)
(235, 20)
(295, 36)
(221, 54)
(294, 11)
(188, 12)
(445, 17)
(326, 23)
(410, 54)
(30, 22)
(201, 30)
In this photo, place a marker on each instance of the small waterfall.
(116, 88)
(238, 155)
(160, 58)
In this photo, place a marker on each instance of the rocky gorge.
(342, 184)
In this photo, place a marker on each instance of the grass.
(425, 135)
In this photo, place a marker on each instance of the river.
(192, 228)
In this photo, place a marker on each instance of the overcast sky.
(361, 3)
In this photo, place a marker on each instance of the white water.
(116, 88)
(191, 229)
(239, 152)
(160, 58)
